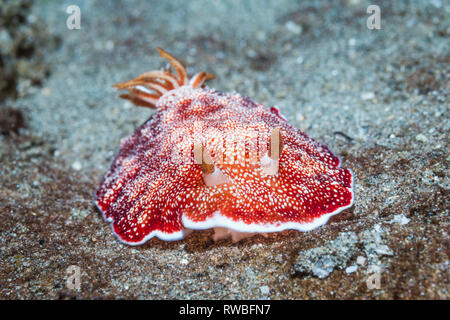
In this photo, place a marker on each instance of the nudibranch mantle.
(208, 159)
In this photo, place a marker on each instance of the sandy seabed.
(378, 98)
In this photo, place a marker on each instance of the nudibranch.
(208, 159)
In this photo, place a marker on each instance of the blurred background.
(378, 97)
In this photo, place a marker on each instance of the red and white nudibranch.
(208, 159)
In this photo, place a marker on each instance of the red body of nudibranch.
(209, 159)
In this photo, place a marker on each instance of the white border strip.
(161, 235)
(219, 220)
